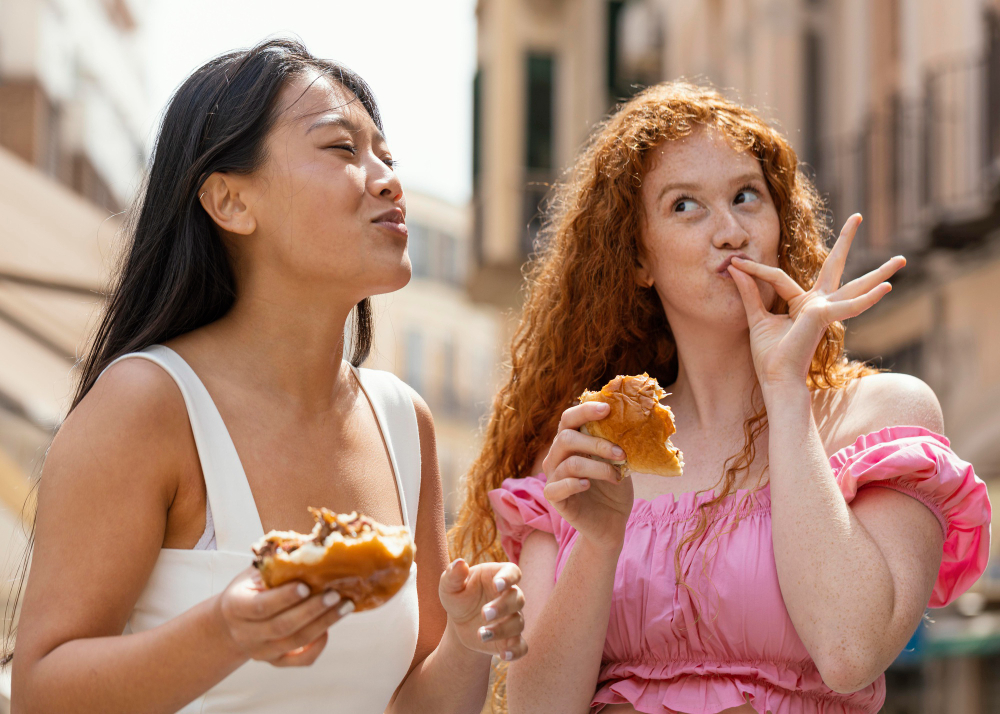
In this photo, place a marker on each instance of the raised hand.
(484, 604)
(783, 345)
(585, 492)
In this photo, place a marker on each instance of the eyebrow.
(738, 180)
(341, 121)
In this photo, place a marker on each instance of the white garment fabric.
(368, 653)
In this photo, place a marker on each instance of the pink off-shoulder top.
(724, 638)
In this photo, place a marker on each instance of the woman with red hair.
(820, 510)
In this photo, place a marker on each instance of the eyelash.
(391, 163)
(748, 187)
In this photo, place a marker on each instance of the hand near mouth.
(783, 346)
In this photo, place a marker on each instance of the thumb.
(454, 577)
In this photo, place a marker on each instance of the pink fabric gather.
(725, 638)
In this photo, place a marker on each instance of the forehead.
(311, 95)
(701, 157)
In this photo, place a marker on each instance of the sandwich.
(637, 423)
(363, 560)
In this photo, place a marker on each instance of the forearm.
(834, 579)
(159, 670)
(560, 671)
(451, 679)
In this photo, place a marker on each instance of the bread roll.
(361, 559)
(639, 424)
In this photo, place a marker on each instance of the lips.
(724, 267)
(392, 220)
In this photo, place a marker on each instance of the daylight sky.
(418, 56)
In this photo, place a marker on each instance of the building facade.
(894, 108)
(432, 336)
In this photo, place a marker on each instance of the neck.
(288, 341)
(715, 378)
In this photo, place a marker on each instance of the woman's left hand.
(783, 345)
(484, 604)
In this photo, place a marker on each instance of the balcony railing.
(917, 162)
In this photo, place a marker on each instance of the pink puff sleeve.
(521, 507)
(921, 464)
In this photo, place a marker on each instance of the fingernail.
(302, 590)
(584, 483)
(346, 608)
(455, 562)
(508, 655)
(500, 584)
(618, 453)
(489, 613)
(602, 407)
(737, 258)
(485, 634)
(331, 598)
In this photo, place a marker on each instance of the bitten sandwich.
(361, 559)
(639, 424)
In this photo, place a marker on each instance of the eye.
(390, 162)
(747, 194)
(346, 147)
(684, 204)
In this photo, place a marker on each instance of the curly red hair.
(584, 276)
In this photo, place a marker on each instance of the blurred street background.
(894, 106)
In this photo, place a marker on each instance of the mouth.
(392, 220)
(723, 268)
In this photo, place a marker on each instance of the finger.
(264, 604)
(575, 417)
(514, 648)
(833, 267)
(845, 309)
(303, 656)
(313, 629)
(750, 295)
(583, 467)
(455, 576)
(507, 604)
(571, 441)
(561, 490)
(860, 286)
(778, 278)
(294, 619)
(506, 577)
(510, 626)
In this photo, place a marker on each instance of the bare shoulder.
(134, 414)
(425, 420)
(894, 399)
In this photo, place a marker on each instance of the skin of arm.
(101, 518)
(567, 632)
(855, 578)
(111, 477)
(446, 675)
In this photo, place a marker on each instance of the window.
(634, 47)
(449, 394)
(540, 111)
(477, 127)
(418, 246)
(812, 76)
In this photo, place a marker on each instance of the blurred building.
(435, 339)
(894, 105)
(72, 103)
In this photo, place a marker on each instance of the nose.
(729, 233)
(383, 181)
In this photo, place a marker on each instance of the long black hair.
(175, 274)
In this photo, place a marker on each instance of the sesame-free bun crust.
(365, 561)
(638, 423)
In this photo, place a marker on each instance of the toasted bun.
(639, 424)
(363, 560)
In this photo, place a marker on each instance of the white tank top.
(368, 653)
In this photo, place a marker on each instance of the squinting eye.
(685, 205)
(750, 197)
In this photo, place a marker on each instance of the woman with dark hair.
(215, 405)
(819, 511)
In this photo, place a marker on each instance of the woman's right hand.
(285, 626)
(586, 492)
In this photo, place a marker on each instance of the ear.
(643, 273)
(223, 198)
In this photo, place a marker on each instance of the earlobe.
(643, 278)
(221, 197)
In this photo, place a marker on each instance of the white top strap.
(237, 522)
(393, 406)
